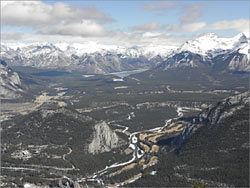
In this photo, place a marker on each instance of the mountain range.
(100, 59)
(209, 50)
(73, 57)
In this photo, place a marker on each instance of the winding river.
(133, 144)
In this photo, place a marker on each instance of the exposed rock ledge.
(104, 139)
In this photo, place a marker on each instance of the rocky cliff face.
(104, 139)
(224, 109)
(10, 84)
(215, 115)
(215, 152)
(239, 62)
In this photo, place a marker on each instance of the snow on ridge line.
(210, 44)
(89, 48)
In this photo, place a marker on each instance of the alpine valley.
(92, 115)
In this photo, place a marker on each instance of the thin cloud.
(159, 7)
(59, 18)
(239, 25)
(85, 28)
(126, 39)
(192, 13)
(33, 13)
(192, 27)
(152, 26)
(12, 36)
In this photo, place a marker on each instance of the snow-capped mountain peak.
(240, 37)
(211, 45)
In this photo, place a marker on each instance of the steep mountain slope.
(10, 84)
(215, 151)
(215, 115)
(184, 59)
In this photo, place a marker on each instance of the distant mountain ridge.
(96, 58)
(49, 56)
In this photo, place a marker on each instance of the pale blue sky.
(159, 17)
(130, 13)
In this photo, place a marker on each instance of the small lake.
(124, 74)
(51, 73)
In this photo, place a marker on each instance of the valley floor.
(47, 134)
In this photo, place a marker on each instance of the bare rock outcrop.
(104, 140)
